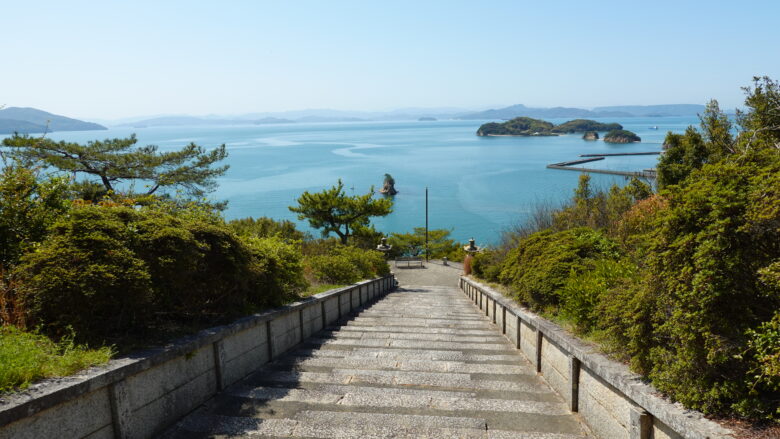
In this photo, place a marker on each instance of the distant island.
(427, 119)
(590, 135)
(32, 121)
(388, 186)
(621, 136)
(526, 126)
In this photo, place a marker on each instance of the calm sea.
(478, 186)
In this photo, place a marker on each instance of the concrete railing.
(612, 401)
(140, 395)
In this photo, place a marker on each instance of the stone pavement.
(433, 273)
(421, 362)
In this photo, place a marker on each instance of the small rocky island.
(519, 126)
(388, 186)
(590, 135)
(621, 136)
(526, 126)
(427, 119)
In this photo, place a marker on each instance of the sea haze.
(478, 186)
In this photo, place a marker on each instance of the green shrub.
(719, 233)
(487, 264)
(278, 265)
(346, 265)
(28, 206)
(108, 271)
(334, 269)
(85, 276)
(26, 357)
(265, 227)
(370, 263)
(764, 347)
(540, 265)
(584, 291)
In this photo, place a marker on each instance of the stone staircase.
(421, 362)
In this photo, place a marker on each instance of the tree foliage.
(113, 161)
(684, 153)
(29, 204)
(333, 211)
(265, 227)
(690, 296)
(110, 270)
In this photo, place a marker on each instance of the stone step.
(352, 326)
(312, 426)
(416, 336)
(325, 424)
(420, 354)
(392, 378)
(429, 323)
(351, 396)
(407, 344)
(417, 363)
(408, 365)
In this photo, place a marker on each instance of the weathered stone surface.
(418, 363)
(65, 420)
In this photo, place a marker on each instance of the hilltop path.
(420, 362)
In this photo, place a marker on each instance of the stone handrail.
(140, 395)
(612, 401)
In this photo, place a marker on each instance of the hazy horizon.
(111, 61)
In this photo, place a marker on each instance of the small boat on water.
(654, 127)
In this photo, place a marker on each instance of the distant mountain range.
(520, 110)
(33, 121)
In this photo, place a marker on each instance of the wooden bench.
(410, 262)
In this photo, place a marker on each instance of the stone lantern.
(470, 250)
(384, 247)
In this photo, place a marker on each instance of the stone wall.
(612, 401)
(140, 395)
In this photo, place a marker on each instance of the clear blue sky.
(112, 59)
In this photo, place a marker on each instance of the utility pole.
(426, 223)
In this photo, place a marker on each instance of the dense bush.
(84, 276)
(540, 265)
(720, 231)
(346, 265)
(683, 284)
(265, 227)
(487, 264)
(108, 270)
(334, 269)
(29, 204)
(583, 292)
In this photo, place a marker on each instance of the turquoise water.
(478, 186)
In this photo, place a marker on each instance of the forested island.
(526, 126)
(621, 136)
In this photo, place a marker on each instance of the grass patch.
(320, 288)
(26, 357)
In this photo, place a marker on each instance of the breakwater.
(616, 154)
(570, 165)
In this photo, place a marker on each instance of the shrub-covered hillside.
(683, 283)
